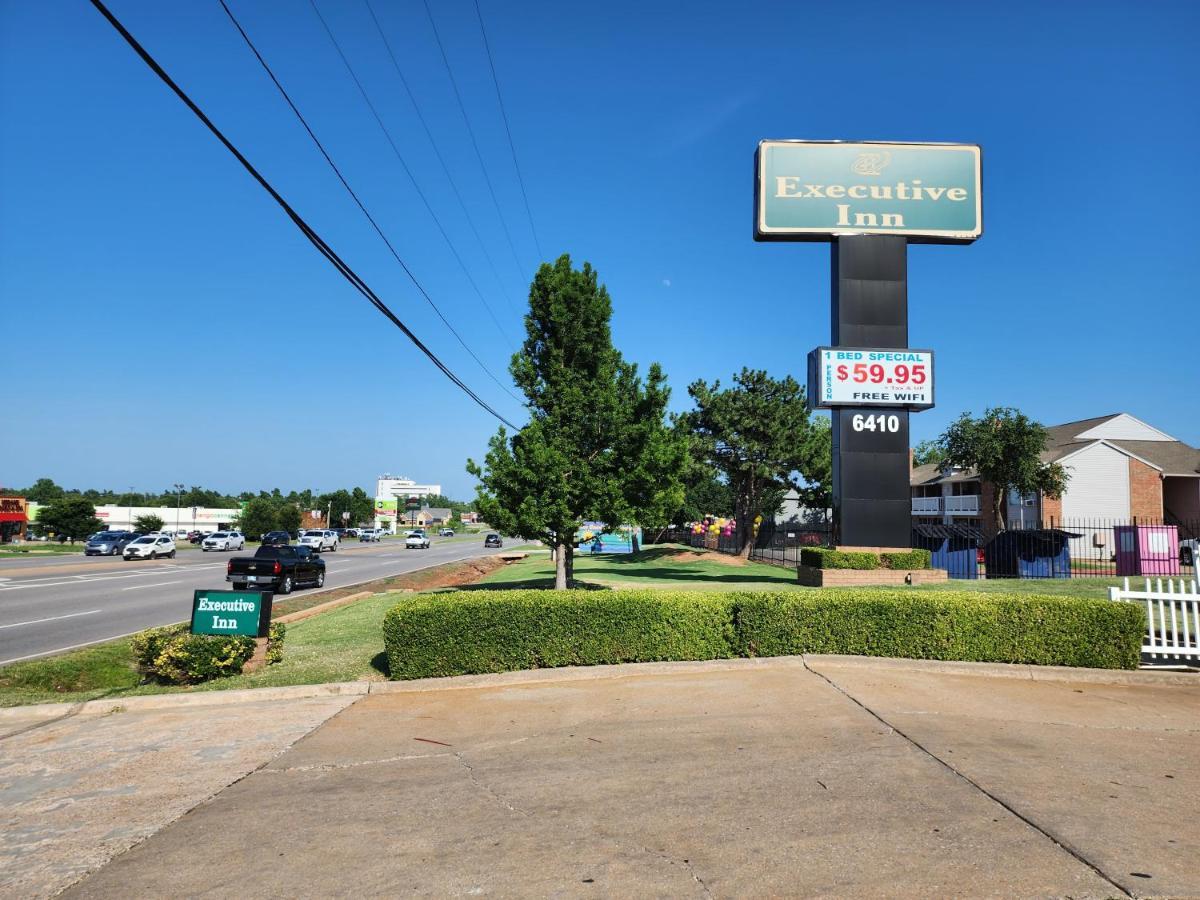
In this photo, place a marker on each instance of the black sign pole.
(871, 496)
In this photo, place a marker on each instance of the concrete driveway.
(820, 777)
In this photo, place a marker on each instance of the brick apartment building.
(1121, 468)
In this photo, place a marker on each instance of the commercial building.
(391, 497)
(14, 518)
(186, 518)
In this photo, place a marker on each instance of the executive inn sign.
(869, 200)
(817, 191)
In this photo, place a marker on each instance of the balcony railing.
(962, 505)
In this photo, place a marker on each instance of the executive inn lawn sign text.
(869, 200)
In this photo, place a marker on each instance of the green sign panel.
(232, 612)
(820, 190)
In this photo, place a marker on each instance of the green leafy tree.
(147, 524)
(69, 518)
(595, 446)
(287, 518)
(760, 435)
(1004, 446)
(362, 507)
(928, 453)
(258, 517)
(44, 490)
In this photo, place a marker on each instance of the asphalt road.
(54, 604)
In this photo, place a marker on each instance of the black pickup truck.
(277, 568)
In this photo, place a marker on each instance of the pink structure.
(1147, 549)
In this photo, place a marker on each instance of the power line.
(471, 131)
(358, 202)
(315, 239)
(407, 171)
(504, 115)
(437, 151)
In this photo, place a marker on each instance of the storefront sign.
(12, 509)
(856, 376)
(232, 612)
(820, 190)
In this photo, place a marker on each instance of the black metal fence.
(967, 549)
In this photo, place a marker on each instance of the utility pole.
(178, 496)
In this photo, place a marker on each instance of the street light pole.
(131, 507)
(178, 496)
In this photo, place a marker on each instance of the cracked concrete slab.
(1111, 771)
(763, 780)
(76, 791)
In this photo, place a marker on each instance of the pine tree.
(595, 446)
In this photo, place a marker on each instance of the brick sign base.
(813, 577)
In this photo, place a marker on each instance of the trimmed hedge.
(826, 558)
(949, 625)
(500, 631)
(911, 559)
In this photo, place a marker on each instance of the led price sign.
(861, 376)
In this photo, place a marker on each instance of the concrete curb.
(568, 674)
(1007, 670)
(199, 698)
(301, 615)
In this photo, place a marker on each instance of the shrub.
(824, 558)
(1047, 631)
(912, 559)
(175, 656)
(500, 631)
(275, 636)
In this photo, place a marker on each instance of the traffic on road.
(53, 604)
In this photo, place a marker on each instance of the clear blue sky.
(163, 322)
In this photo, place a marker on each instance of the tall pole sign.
(869, 200)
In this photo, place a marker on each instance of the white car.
(417, 541)
(370, 534)
(320, 540)
(150, 546)
(224, 540)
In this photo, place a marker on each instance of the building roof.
(1122, 431)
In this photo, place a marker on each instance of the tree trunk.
(998, 517)
(745, 531)
(570, 551)
(560, 565)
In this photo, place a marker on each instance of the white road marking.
(90, 612)
(138, 587)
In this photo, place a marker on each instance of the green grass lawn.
(664, 566)
(347, 643)
(343, 645)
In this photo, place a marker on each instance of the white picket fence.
(1172, 617)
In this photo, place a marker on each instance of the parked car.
(150, 546)
(416, 541)
(277, 568)
(370, 534)
(1189, 552)
(108, 543)
(349, 532)
(224, 540)
(320, 540)
(276, 539)
(446, 532)
(493, 540)
(195, 536)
